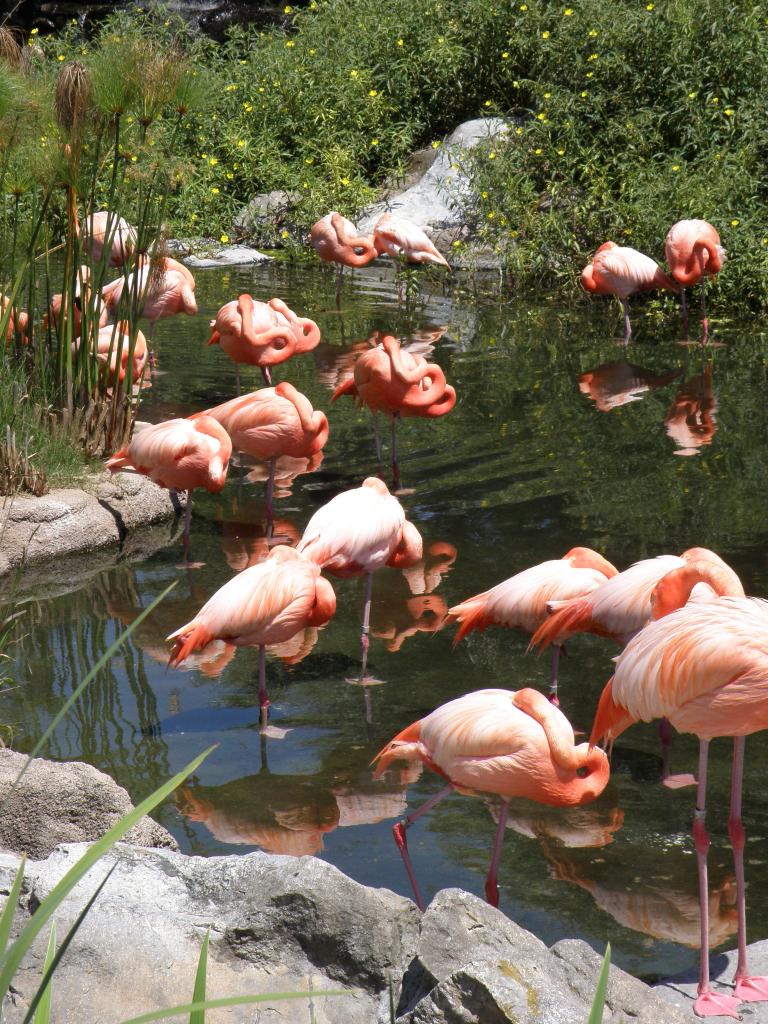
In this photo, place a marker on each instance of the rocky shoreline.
(280, 923)
(105, 512)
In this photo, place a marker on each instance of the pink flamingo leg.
(491, 882)
(684, 313)
(339, 283)
(708, 1003)
(187, 525)
(749, 988)
(266, 373)
(395, 466)
(399, 832)
(270, 495)
(553, 676)
(377, 437)
(366, 626)
(704, 320)
(263, 696)
(627, 324)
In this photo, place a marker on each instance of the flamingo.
(386, 378)
(357, 532)
(691, 421)
(107, 229)
(18, 322)
(273, 422)
(336, 240)
(262, 333)
(113, 343)
(501, 742)
(521, 601)
(179, 455)
(163, 287)
(83, 292)
(266, 604)
(693, 253)
(703, 666)
(404, 241)
(621, 271)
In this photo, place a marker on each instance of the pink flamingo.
(163, 287)
(693, 253)
(262, 333)
(502, 742)
(405, 242)
(336, 240)
(357, 532)
(18, 323)
(704, 666)
(114, 342)
(179, 455)
(621, 271)
(104, 228)
(521, 601)
(83, 293)
(386, 378)
(266, 604)
(273, 422)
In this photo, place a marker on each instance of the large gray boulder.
(278, 924)
(57, 803)
(475, 966)
(228, 256)
(103, 512)
(440, 201)
(265, 216)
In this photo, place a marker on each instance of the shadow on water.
(557, 439)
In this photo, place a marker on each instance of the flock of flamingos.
(695, 648)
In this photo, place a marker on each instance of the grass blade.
(214, 1004)
(51, 967)
(6, 921)
(52, 725)
(43, 1013)
(10, 962)
(598, 1003)
(198, 996)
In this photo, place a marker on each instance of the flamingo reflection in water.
(615, 384)
(691, 420)
(407, 604)
(393, 381)
(291, 814)
(245, 541)
(266, 604)
(497, 742)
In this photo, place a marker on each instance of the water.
(539, 455)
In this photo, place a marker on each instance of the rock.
(475, 965)
(231, 256)
(265, 216)
(64, 803)
(438, 201)
(680, 990)
(70, 520)
(278, 924)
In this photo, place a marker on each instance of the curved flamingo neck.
(560, 739)
(245, 309)
(673, 591)
(696, 266)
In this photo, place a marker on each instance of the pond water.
(555, 441)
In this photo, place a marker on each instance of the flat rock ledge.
(298, 924)
(68, 520)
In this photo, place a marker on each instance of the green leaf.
(598, 1003)
(51, 967)
(43, 1012)
(214, 1004)
(6, 921)
(10, 962)
(74, 696)
(198, 996)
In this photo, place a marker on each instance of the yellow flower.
(542, 116)
(568, 12)
(592, 33)
(287, 9)
(230, 175)
(505, 55)
(492, 155)
(241, 143)
(729, 112)
(34, 31)
(284, 233)
(692, 95)
(224, 238)
(547, 95)
(518, 131)
(230, 88)
(441, 39)
(592, 56)
(675, 167)
(764, 241)
(649, 7)
(590, 74)
(487, 103)
(261, 88)
(247, 107)
(243, 61)
(215, 190)
(61, 57)
(545, 34)
(372, 92)
(290, 44)
(213, 161)
(715, 99)
(491, 215)
(523, 7)
(374, 142)
(345, 181)
(537, 152)
(309, 159)
(399, 42)
(305, 184)
(354, 74)
(584, 93)
(313, 52)
(436, 144)
(735, 223)
(134, 159)
(457, 243)
(561, 152)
